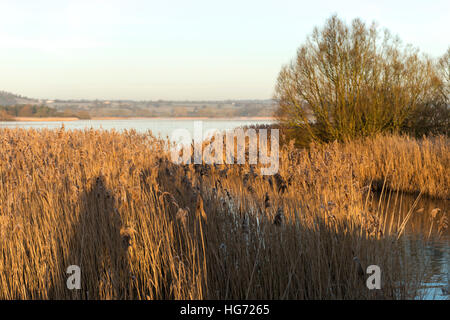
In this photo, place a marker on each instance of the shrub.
(350, 81)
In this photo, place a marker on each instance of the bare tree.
(444, 67)
(433, 115)
(349, 81)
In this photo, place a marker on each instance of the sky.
(181, 50)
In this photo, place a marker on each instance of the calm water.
(431, 249)
(428, 245)
(162, 127)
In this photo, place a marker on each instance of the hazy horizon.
(146, 50)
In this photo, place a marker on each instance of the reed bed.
(402, 163)
(141, 227)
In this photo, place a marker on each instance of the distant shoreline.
(37, 119)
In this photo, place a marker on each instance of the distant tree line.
(8, 113)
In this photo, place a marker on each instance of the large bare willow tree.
(349, 81)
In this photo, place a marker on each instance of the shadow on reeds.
(276, 252)
(98, 245)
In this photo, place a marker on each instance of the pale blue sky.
(135, 49)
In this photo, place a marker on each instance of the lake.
(163, 127)
(422, 241)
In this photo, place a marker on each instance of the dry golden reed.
(141, 227)
(407, 164)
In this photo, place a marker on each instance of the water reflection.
(426, 237)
